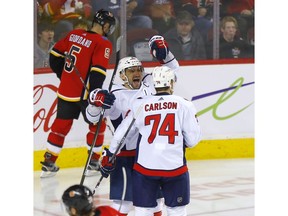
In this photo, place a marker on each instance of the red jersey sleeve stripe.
(161, 173)
(99, 70)
(55, 53)
(70, 99)
(127, 153)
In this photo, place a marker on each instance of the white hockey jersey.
(124, 98)
(167, 124)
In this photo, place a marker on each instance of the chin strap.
(127, 82)
(172, 88)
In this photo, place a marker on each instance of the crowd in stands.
(187, 25)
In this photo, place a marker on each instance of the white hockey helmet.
(162, 76)
(128, 62)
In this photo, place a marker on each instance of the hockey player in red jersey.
(84, 70)
(78, 201)
(167, 125)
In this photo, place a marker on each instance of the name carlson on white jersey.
(166, 125)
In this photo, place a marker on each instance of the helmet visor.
(111, 29)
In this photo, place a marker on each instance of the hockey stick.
(67, 56)
(118, 43)
(120, 145)
(124, 187)
(109, 127)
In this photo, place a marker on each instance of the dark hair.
(184, 16)
(228, 19)
(45, 25)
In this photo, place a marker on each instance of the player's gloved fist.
(101, 98)
(107, 166)
(158, 47)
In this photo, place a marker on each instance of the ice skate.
(92, 168)
(49, 169)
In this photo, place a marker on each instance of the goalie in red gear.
(89, 53)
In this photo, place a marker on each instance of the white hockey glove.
(93, 113)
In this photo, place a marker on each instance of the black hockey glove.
(107, 166)
(158, 47)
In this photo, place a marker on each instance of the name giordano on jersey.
(80, 40)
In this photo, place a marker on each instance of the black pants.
(71, 110)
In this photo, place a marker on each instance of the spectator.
(133, 21)
(78, 200)
(251, 36)
(66, 9)
(231, 45)
(64, 13)
(62, 28)
(184, 40)
(45, 42)
(189, 5)
(81, 24)
(137, 43)
(162, 14)
(242, 11)
(39, 10)
(208, 4)
(203, 23)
